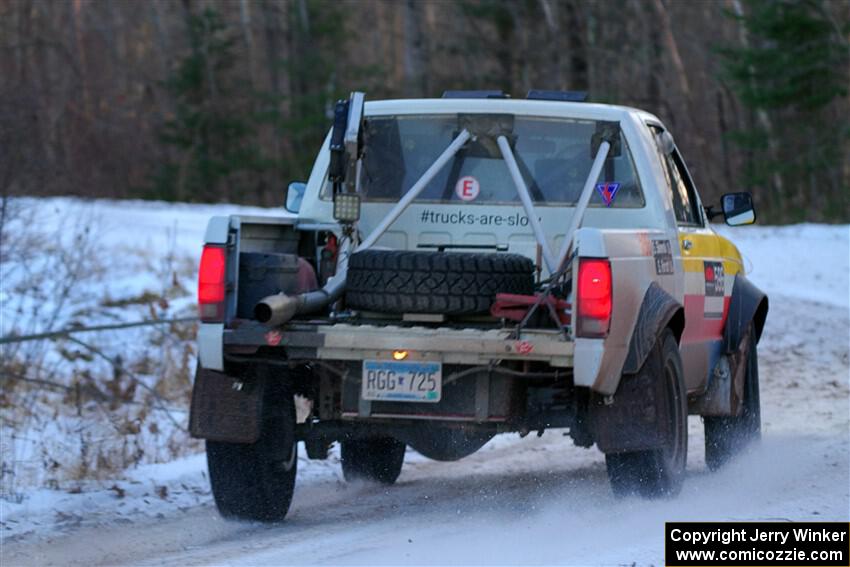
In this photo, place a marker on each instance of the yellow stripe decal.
(707, 247)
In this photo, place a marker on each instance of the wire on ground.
(66, 332)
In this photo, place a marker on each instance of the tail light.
(593, 298)
(211, 284)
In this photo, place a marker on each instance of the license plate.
(402, 381)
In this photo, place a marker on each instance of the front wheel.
(255, 481)
(376, 459)
(726, 437)
(658, 472)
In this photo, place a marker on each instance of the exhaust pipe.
(277, 309)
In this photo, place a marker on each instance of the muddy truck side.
(462, 267)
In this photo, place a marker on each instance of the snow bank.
(71, 411)
(805, 261)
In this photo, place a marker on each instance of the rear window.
(553, 154)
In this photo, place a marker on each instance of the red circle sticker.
(467, 188)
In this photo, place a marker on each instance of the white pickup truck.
(461, 267)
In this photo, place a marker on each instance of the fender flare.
(747, 304)
(658, 310)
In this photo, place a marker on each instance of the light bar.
(560, 96)
(347, 207)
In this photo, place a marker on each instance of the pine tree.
(213, 131)
(793, 68)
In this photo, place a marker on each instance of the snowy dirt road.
(518, 501)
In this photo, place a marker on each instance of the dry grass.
(89, 406)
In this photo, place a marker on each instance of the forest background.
(228, 100)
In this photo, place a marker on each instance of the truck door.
(706, 295)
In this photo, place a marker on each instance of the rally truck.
(461, 267)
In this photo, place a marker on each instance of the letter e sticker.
(467, 188)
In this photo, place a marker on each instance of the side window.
(685, 204)
(683, 191)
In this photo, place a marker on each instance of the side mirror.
(738, 209)
(294, 196)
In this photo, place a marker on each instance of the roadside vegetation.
(88, 405)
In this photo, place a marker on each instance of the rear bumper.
(340, 341)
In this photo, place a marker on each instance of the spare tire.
(444, 444)
(453, 283)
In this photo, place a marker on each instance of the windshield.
(553, 155)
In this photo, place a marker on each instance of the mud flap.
(632, 420)
(225, 408)
(637, 417)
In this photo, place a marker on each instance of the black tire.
(451, 283)
(376, 460)
(726, 437)
(659, 472)
(255, 481)
(444, 444)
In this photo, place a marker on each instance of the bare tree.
(415, 50)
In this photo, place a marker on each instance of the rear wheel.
(658, 472)
(377, 459)
(255, 481)
(725, 437)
